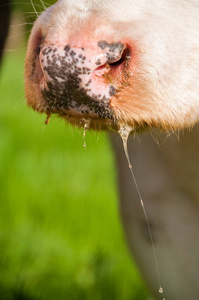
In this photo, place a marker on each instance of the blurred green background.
(60, 230)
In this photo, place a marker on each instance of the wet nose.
(74, 75)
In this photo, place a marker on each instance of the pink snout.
(81, 80)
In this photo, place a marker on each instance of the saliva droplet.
(124, 132)
(47, 119)
(86, 127)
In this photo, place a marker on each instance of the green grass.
(60, 231)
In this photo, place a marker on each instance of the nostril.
(37, 42)
(125, 56)
(36, 45)
(117, 63)
(112, 65)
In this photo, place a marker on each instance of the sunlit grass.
(60, 230)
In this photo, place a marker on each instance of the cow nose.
(79, 76)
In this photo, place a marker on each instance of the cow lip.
(75, 116)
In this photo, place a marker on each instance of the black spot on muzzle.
(113, 50)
